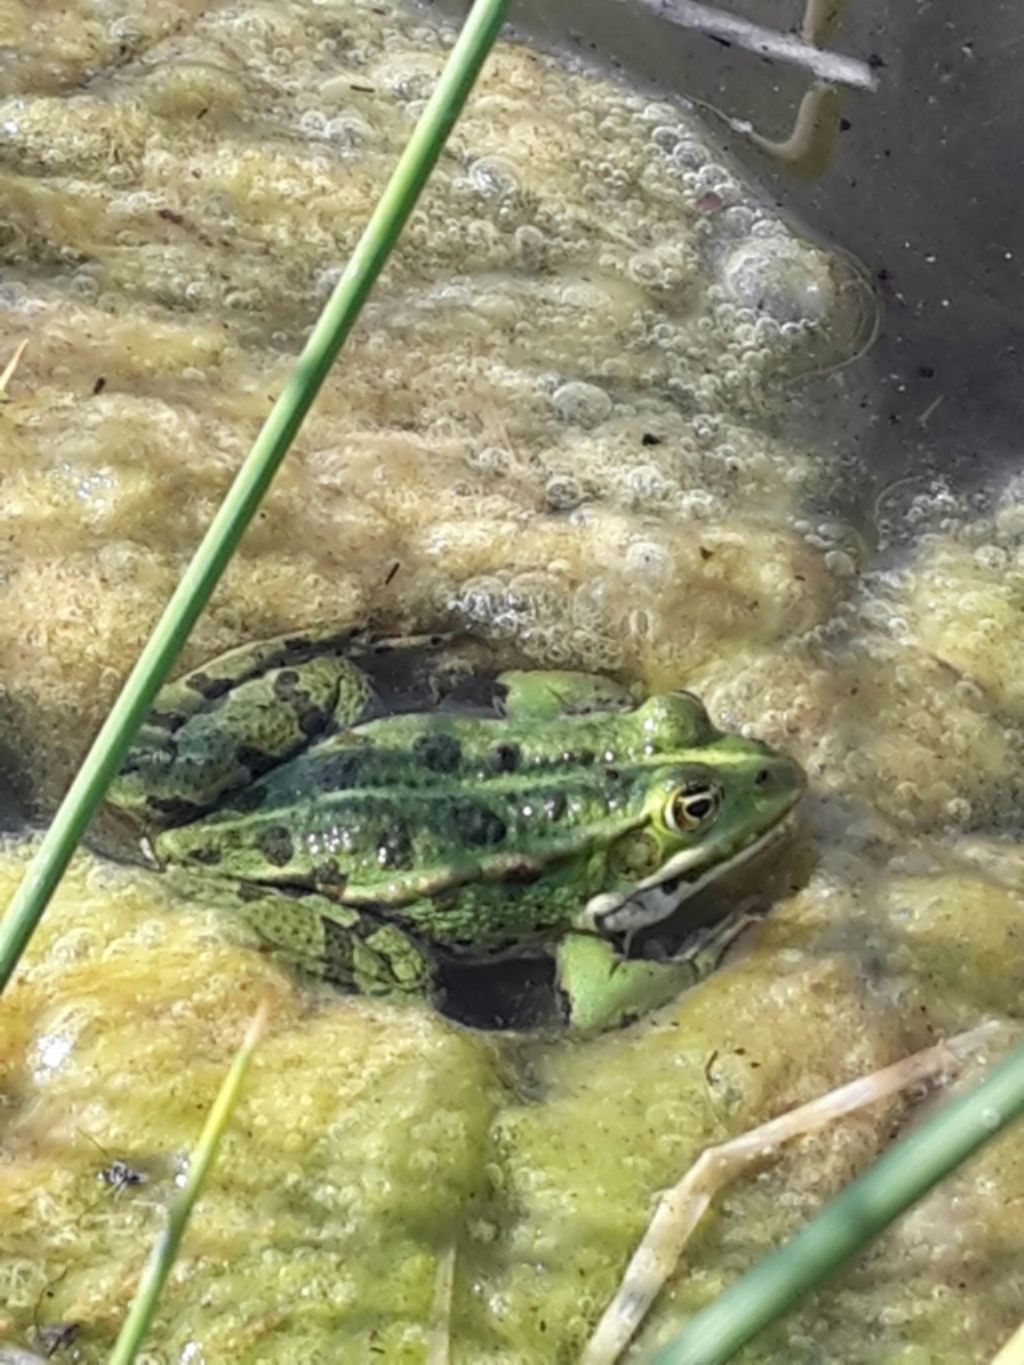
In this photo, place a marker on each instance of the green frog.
(373, 838)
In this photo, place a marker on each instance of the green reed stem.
(856, 1216)
(165, 1250)
(211, 558)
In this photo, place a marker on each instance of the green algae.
(560, 423)
(372, 1141)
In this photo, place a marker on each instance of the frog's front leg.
(604, 990)
(216, 728)
(348, 948)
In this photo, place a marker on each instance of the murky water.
(574, 418)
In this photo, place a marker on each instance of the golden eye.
(692, 806)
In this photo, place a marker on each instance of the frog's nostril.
(763, 777)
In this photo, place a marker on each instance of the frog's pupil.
(698, 807)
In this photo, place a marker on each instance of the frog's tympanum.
(560, 814)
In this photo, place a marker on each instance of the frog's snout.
(779, 781)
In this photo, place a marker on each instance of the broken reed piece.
(440, 1340)
(1012, 1353)
(834, 67)
(10, 367)
(681, 1208)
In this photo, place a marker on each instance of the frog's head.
(714, 801)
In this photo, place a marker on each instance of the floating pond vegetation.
(564, 421)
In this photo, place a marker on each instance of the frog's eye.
(692, 806)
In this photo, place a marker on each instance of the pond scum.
(561, 421)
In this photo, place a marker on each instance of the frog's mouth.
(683, 876)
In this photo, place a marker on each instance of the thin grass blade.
(199, 579)
(162, 1257)
(853, 1219)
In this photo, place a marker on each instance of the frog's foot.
(217, 728)
(347, 948)
(603, 990)
(546, 695)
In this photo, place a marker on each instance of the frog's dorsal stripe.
(262, 848)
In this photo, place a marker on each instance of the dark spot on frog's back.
(276, 845)
(210, 688)
(329, 876)
(506, 758)
(439, 753)
(338, 772)
(208, 857)
(312, 719)
(477, 825)
(286, 684)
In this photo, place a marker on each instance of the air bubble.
(991, 557)
(589, 604)
(839, 564)
(348, 131)
(84, 285)
(562, 493)
(666, 136)
(583, 404)
(788, 281)
(645, 485)
(689, 156)
(409, 85)
(492, 460)
(648, 560)
(737, 220)
(705, 427)
(530, 243)
(479, 599)
(494, 177)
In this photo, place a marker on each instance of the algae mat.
(566, 421)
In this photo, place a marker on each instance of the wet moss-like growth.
(564, 423)
(373, 1141)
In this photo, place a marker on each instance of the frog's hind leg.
(547, 694)
(216, 728)
(348, 948)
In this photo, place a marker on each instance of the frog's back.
(409, 805)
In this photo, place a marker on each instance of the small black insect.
(120, 1176)
(117, 1174)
